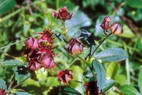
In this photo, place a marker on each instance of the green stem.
(127, 67)
(65, 31)
(99, 45)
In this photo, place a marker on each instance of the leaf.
(129, 90)
(127, 32)
(79, 20)
(140, 81)
(101, 76)
(112, 70)
(63, 90)
(2, 84)
(6, 5)
(12, 62)
(108, 84)
(20, 77)
(121, 79)
(134, 3)
(22, 93)
(77, 76)
(112, 55)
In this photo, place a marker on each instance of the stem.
(65, 31)
(99, 45)
(127, 67)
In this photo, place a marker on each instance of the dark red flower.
(74, 46)
(2, 92)
(46, 50)
(116, 28)
(92, 88)
(32, 43)
(65, 76)
(105, 24)
(63, 14)
(34, 65)
(33, 58)
(47, 61)
(47, 36)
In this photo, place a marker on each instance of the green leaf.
(2, 84)
(121, 79)
(140, 81)
(112, 55)
(112, 70)
(127, 32)
(22, 93)
(63, 90)
(134, 3)
(20, 77)
(101, 76)
(108, 84)
(129, 90)
(12, 62)
(6, 5)
(77, 76)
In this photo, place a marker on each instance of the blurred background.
(20, 19)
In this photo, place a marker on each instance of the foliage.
(84, 49)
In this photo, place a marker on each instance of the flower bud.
(65, 76)
(74, 46)
(105, 24)
(32, 43)
(2, 92)
(47, 61)
(116, 28)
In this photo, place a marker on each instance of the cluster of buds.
(40, 52)
(115, 28)
(63, 14)
(74, 46)
(2, 92)
(65, 76)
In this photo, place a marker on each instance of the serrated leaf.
(6, 5)
(2, 84)
(101, 76)
(112, 55)
(12, 62)
(22, 93)
(108, 84)
(140, 81)
(129, 90)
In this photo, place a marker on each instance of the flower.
(47, 61)
(74, 46)
(32, 43)
(63, 14)
(91, 88)
(116, 28)
(46, 36)
(2, 92)
(65, 76)
(40, 52)
(34, 65)
(105, 24)
(33, 58)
